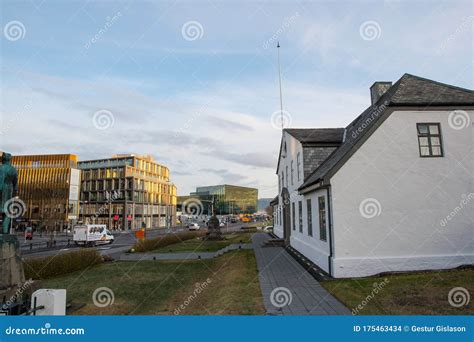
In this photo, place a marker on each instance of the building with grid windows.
(49, 187)
(127, 192)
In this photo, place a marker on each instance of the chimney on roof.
(378, 89)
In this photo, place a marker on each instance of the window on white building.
(322, 218)
(300, 216)
(286, 176)
(298, 163)
(281, 215)
(292, 173)
(429, 139)
(310, 217)
(293, 215)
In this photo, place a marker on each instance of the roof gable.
(409, 90)
(311, 136)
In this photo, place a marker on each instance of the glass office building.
(230, 199)
(127, 192)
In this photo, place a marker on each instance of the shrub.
(165, 240)
(53, 266)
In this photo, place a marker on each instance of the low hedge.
(165, 240)
(53, 266)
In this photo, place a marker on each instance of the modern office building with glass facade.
(127, 192)
(49, 187)
(230, 199)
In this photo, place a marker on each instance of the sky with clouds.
(195, 83)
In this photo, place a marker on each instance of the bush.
(165, 240)
(53, 266)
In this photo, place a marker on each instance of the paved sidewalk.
(278, 269)
(184, 255)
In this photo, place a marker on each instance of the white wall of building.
(311, 246)
(411, 198)
(293, 147)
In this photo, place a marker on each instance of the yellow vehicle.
(246, 219)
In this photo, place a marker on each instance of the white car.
(193, 226)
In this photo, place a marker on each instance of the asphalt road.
(122, 242)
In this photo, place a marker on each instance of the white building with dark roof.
(393, 191)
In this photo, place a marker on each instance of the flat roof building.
(230, 200)
(127, 191)
(49, 186)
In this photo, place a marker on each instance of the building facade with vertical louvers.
(127, 192)
(49, 187)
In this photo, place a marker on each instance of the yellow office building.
(127, 192)
(49, 187)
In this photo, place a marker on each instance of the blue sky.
(203, 106)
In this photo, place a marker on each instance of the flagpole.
(279, 78)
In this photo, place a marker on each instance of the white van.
(92, 234)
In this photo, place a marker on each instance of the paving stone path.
(291, 284)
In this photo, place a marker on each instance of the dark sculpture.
(213, 226)
(11, 267)
(8, 189)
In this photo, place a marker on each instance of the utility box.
(53, 301)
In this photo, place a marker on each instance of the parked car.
(193, 226)
(268, 229)
(29, 233)
(92, 234)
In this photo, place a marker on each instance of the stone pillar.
(11, 267)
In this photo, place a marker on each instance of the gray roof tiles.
(409, 90)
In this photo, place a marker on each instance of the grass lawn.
(159, 288)
(198, 245)
(420, 293)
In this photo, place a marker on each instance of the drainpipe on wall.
(330, 268)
